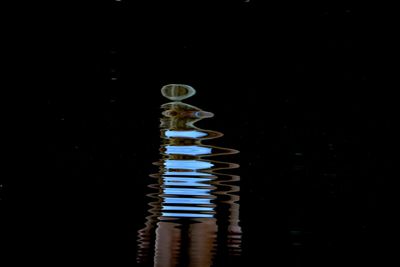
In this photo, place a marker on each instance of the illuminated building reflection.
(183, 223)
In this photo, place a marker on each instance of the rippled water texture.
(193, 209)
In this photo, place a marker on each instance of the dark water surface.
(289, 86)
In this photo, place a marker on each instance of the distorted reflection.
(183, 225)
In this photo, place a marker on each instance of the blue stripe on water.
(189, 134)
(187, 150)
(187, 164)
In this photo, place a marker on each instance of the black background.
(298, 89)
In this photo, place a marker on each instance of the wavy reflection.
(183, 223)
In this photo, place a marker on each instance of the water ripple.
(182, 226)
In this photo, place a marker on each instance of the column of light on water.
(185, 195)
